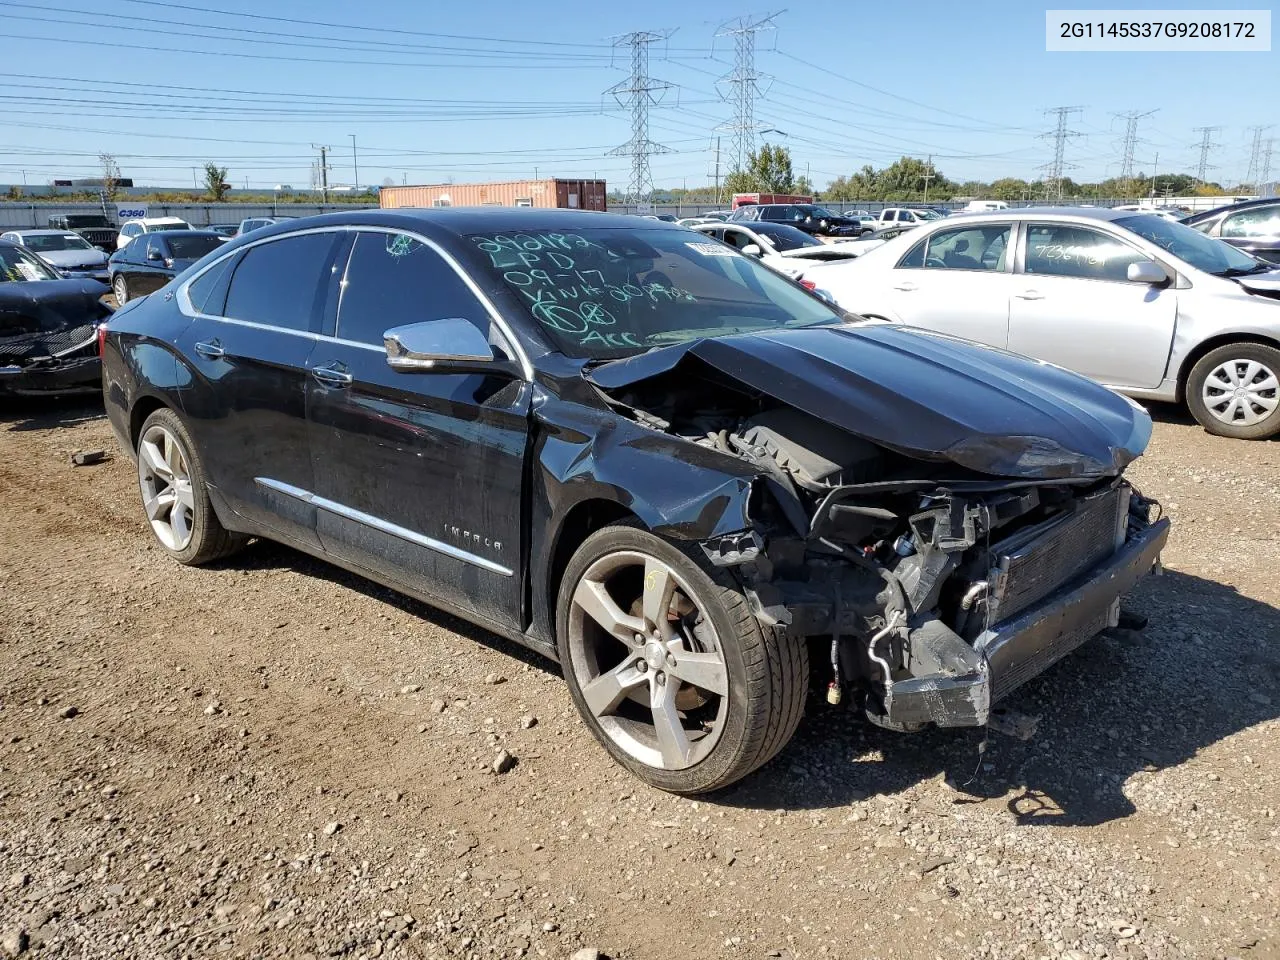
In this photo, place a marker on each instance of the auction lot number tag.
(1153, 31)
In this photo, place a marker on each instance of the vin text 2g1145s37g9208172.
(643, 454)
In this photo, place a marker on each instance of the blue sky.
(516, 89)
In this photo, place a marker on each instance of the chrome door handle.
(905, 287)
(1030, 295)
(332, 375)
(210, 349)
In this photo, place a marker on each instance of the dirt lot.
(272, 758)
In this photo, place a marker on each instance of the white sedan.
(780, 246)
(1151, 308)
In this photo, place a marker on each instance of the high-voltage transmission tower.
(1206, 144)
(1060, 134)
(1266, 162)
(1255, 177)
(742, 85)
(639, 92)
(1130, 140)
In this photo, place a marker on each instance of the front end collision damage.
(942, 578)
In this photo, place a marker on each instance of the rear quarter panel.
(139, 363)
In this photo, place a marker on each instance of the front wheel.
(1234, 391)
(120, 286)
(669, 668)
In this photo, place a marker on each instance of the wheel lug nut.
(641, 666)
(660, 677)
(671, 661)
(639, 638)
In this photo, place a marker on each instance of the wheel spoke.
(180, 522)
(605, 692)
(160, 507)
(659, 585)
(185, 495)
(673, 742)
(1266, 403)
(154, 460)
(595, 601)
(706, 671)
(1250, 371)
(1269, 383)
(1218, 380)
(1229, 413)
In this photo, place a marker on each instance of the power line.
(637, 93)
(744, 84)
(1206, 144)
(1130, 140)
(1060, 134)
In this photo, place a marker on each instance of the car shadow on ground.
(21, 414)
(1126, 703)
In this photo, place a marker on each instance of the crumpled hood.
(49, 306)
(71, 259)
(923, 394)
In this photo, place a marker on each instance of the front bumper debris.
(1017, 649)
(83, 374)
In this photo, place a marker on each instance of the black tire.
(209, 539)
(120, 287)
(1268, 360)
(767, 668)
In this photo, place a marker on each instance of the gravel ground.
(273, 758)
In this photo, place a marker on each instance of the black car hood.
(923, 394)
(43, 316)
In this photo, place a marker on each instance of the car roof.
(1242, 205)
(1026, 213)
(184, 233)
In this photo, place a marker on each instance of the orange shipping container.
(556, 192)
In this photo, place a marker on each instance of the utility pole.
(355, 164)
(638, 93)
(927, 177)
(1155, 172)
(1206, 144)
(743, 84)
(1130, 140)
(324, 171)
(1060, 135)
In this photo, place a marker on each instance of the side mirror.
(1146, 271)
(450, 345)
(752, 250)
(154, 254)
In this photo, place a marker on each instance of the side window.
(156, 244)
(735, 238)
(964, 248)
(1065, 250)
(129, 230)
(279, 283)
(208, 292)
(393, 279)
(1258, 222)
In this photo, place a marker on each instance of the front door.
(1074, 305)
(418, 476)
(956, 281)
(257, 315)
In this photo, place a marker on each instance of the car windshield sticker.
(27, 270)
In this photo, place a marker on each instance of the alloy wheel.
(121, 289)
(646, 660)
(164, 474)
(1241, 392)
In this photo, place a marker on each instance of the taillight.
(808, 284)
(102, 339)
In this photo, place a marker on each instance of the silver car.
(67, 252)
(1148, 307)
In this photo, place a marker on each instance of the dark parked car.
(97, 228)
(48, 326)
(156, 258)
(643, 454)
(1253, 226)
(812, 219)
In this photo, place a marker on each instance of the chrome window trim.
(183, 299)
(385, 526)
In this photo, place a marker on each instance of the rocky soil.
(273, 758)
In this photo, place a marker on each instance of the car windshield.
(16, 266)
(192, 248)
(1204, 253)
(611, 292)
(42, 242)
(928, 214)
(820, 212)
(168, 225)
(785, 237)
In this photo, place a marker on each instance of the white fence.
(18, 214)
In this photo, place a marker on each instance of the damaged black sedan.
(644, 455)
(48, 327)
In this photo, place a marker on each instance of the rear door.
(957, 281)
(255, 327)
(1073, 305)
(418, 476)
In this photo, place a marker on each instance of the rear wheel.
(120, 287)
(671, 671)
(1234, 391)
(174, 497)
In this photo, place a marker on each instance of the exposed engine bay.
(940, 588)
